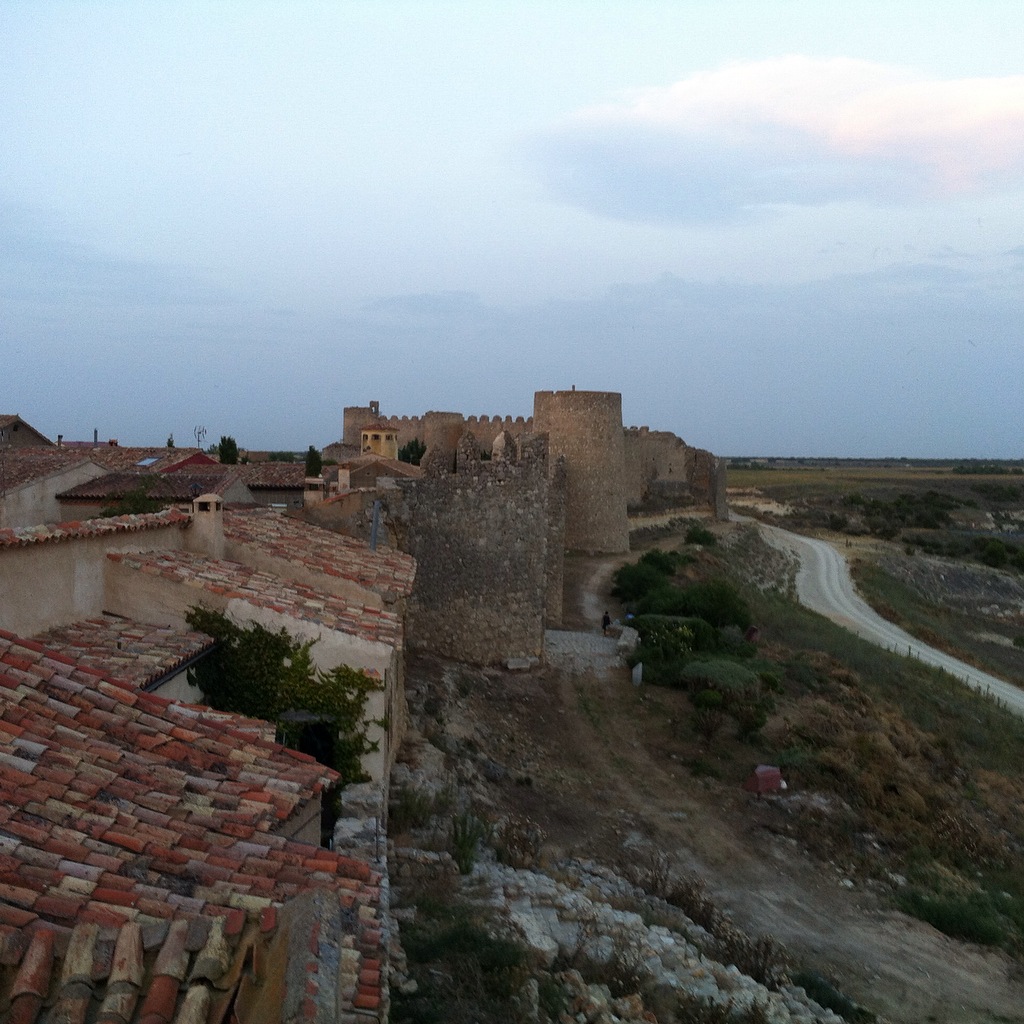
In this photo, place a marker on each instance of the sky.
(777, 227)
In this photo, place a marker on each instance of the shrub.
(665, 644)
(708, 700)
(698, 534)
(750, 718)
(994, 553)
(467, 832)
(411, 807)
(517, 842)
(971, 917)
(464, 973)
(716, 601)
(708, 723)
(725, 676)
(666, 562)
(824, 993)
(670, 635)
(632, 582)
(663, 599)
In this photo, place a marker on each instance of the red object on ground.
(765, 778)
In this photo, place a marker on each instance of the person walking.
(606, 621)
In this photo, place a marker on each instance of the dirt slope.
(582, 753)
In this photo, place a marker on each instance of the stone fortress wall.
(484, 428)
(664, 472)
(660, 470)
(586, 428)
(482, 533)
(489, 535)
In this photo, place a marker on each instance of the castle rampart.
(656, 471)
(487, 579)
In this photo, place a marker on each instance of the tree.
(170, 440)
(227, 451)
(314, 463)
(412, 452)
(135, 501)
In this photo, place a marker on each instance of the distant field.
(809, 480)
(784, 481)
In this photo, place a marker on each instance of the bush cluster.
(261, 674)
(886, 519)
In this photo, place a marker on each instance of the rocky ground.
(578, 750)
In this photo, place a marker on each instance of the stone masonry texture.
(586, 428)
(480, 537)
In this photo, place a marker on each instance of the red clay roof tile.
(22, 536)
(107, 841)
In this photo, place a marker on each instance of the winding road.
(823, 584)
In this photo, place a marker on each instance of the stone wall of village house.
(153, 599)
(36, 502)
(52, 583)
(480, 533)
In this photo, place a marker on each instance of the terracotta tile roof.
(25, 535)
(23, 465)
(321, 550)
(276, 476)
(132, 652)
(234, 580)
(168, 486)
(118, 458)
(140, 876)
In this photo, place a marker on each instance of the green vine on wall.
(262, 674)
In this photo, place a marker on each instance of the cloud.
(40, 259)
(794, 130)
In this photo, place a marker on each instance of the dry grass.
(891, 765)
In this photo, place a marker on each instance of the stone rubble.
(560, 921)
(573, 920)
(568, 913)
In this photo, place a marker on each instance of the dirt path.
(599, 772)
(824, 585)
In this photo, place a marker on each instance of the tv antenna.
(4, 442)
(200, 433)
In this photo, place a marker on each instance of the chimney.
(95, 435)
(207, 526)
(60, 440)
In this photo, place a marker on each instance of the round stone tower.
(586, 427)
